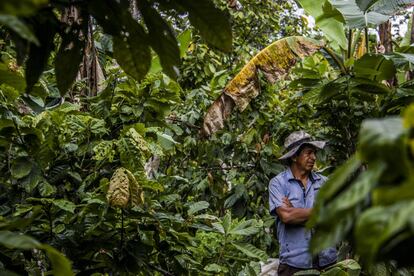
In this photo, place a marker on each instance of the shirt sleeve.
(275, 195)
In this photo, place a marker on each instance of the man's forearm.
(291, 215)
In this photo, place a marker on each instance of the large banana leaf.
(328, 19)
(274, 62)
(360, 13)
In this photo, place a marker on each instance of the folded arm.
(291, 215)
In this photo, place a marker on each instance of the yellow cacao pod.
(118, 192)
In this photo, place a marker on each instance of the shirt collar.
(312, 176)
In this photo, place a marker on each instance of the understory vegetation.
(139, 137)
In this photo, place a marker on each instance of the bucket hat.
(295, 140)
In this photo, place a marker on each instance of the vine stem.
(122, 229)
(49, 216)
(349, 43)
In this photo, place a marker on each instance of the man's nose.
(313, 155)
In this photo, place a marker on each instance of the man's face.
(306, 158)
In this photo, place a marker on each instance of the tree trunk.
(410, 74)
(385, 36)
(89, 70)
(386, 44)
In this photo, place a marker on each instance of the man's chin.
(309, 168)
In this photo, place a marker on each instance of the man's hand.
(287, 202)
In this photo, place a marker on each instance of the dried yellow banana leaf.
(274, 62)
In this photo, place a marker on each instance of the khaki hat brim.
(317, 144)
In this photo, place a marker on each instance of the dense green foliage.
(203, 209)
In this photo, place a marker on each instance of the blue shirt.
(294, 239)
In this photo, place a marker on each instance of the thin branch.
(230, 167)
(349, 43)
(122, 229)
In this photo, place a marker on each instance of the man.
(292, 194)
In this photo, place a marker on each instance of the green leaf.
(69, 57)
(357, 18)
(389, 7)
(65, 205)
(226, 222)
(45, 189)
(307, 272)
(245, 228)
(364, 5)
(214, 268)
(332, 28)
(218, 227)
(19, 27)
(359, 189)
(328, 234)
(166, 141)
(378, 225)
(251, 251)
(159, 30)
(406, 41)
(13, 79)
(21, 167)
(335, 271)
(206, 216)
(369, 86)
(197, 206)
(31, 181)
(109, 15)
(60, 264)
(184, 40)
(335, 183)
(374, 67)
(379, 138)
(132, 51)
(7, 273)
(45, 30)
(350, 266)
(213, 24)
(408, 57)
(14, 240)
(130, 41)
(386, 195)
(21, 7)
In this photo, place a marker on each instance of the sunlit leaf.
(331, 26)
(251, 250)
(197, 206)
(65, 205)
